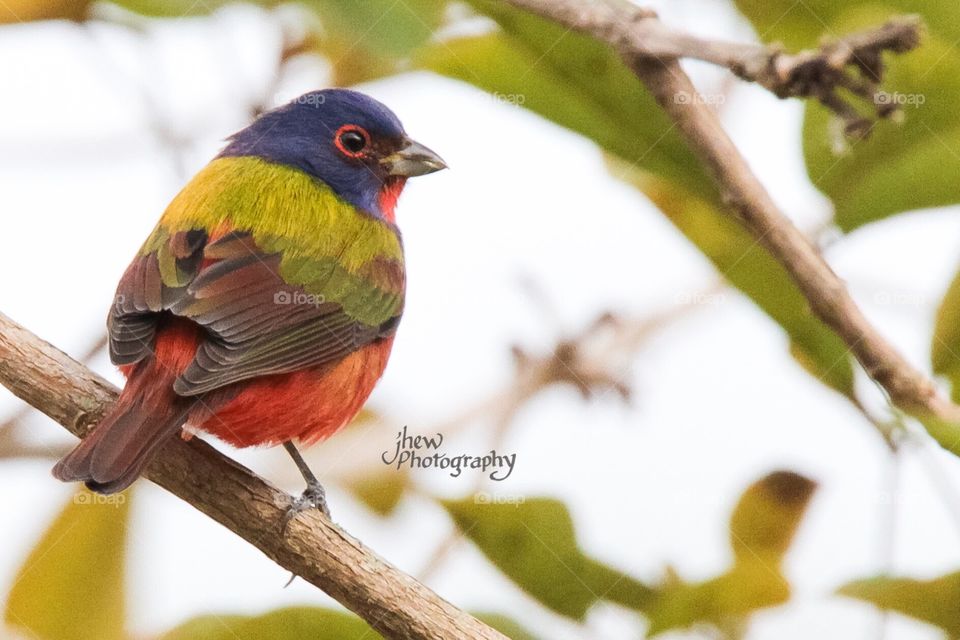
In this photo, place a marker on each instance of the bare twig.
(852, 64)
(628, 29)
(313, 548)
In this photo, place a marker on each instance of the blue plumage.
(302, 133)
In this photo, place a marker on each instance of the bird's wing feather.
(263, 312)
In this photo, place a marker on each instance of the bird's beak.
(413, 159)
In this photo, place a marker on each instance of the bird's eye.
(352, 140)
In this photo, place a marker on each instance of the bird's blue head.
(348, 140)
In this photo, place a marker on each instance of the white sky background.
(84, 176)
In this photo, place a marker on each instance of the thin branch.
(12, 443)
(313, 548)
(848, 65)
(13, 421)
(627, 29)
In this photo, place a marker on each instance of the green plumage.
(281, 273)
(326, 246)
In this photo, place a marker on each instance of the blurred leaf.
(934, 601)
(172, 8)
(768, 514)
(385, 27)
(505, 625)
(380, 491)
(795, 26)
(208, 627)
(945, 348)
(535, 545)
(365, 416)
(574, 81)
(762, 527)
(943, 431)
(872, 180)
(945, 358)
(724, 601)
(293, 623)
(750, 268)
(363, 41)
(14, 11)
(296, 623)
(71, 586)
(801, 25)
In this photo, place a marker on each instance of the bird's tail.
(110, 458)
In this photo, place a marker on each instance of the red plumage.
(389, 194)
(306, 406)
(208, 328)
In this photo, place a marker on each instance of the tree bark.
(312, 547)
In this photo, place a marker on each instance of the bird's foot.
(314, 497)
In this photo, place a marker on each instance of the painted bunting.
(262, 309)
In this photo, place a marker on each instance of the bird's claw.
(313, 497)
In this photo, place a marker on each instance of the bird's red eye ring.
(352, 140)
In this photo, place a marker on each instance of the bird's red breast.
(308, 405)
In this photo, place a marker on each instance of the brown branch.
(626, 28)
(11, 445)
(313, 548)
(851, 64)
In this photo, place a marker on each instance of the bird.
(263, 307)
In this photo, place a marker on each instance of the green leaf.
(801, 25)
(762, 527)
(293, 623)
(934, 601)
(71, 586)
(380, 491)
(208, 627)
(724, 601)
(574, 81)
(945, 358)
(766, 518)
(296, 623)
(534, 544)
(876, 178)
(945, 348)
(506, 626)
(383, 27)
(171, 8)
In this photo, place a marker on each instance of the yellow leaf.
(71, 586)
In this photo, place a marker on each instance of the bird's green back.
(332, 250)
